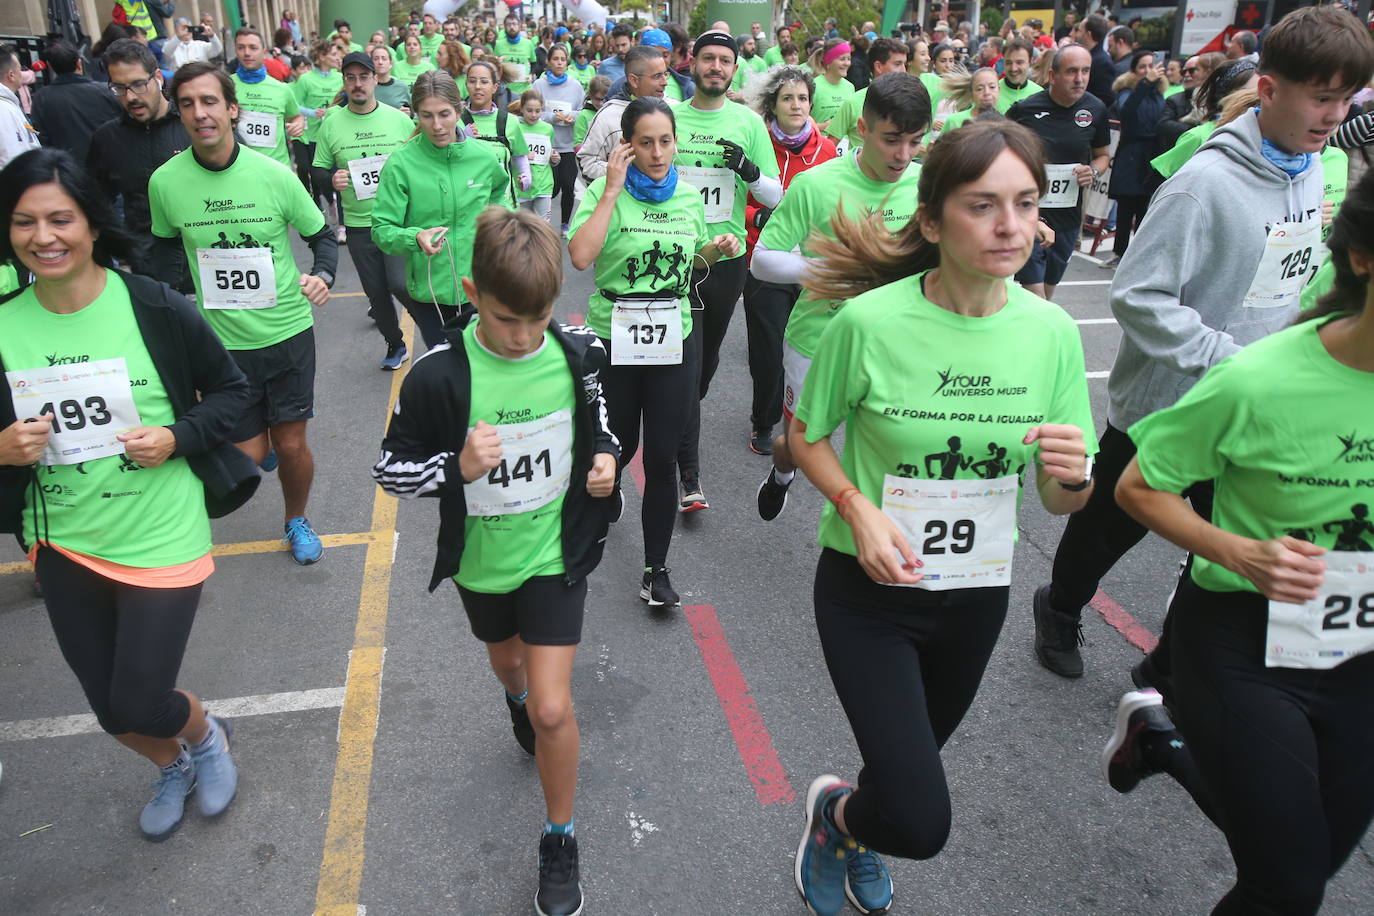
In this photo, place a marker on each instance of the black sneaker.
(656, 589)
(1057, 637)
(617, 504)
(520, 724)
(1123, 759)
(692, 498)
(772, 496)
(761, 442)
(560, 891)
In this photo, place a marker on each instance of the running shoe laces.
(306, 547)
(867, 883)
(560, 893)
(162, 815)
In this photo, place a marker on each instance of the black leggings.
(1286, 756)
(660, 396)
(767, 307)
(1130, 213)
(124, 644)
(319, 182)
(713, 295)
(564, 180)
(906, 665)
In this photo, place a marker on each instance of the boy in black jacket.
(506, 424)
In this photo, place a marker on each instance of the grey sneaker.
(219, 778)
(162, 815)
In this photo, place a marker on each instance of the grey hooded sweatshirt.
(1180, 291)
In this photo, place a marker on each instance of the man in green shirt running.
(517, 49)
(773, 56)
(231, 208)
(268, 113)
(1016, 81)
(430, 36)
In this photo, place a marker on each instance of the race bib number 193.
(91, 403)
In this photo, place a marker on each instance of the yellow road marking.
(238, 549)
(341, 868)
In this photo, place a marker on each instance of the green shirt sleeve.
(1192, 440)
(162, 227)
(790, 222)
(837, 380)
(389, 211)
(844, 121)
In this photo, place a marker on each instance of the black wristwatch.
(1087, 478)
(327, 277)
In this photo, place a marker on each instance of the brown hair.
(864, 254)
(196, 69)
(319, 49)
(432, 84)
(817, 59)
(1237, 103)
(517, 260)
(1318, 44)
(457, 58)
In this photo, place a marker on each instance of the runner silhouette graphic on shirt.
(247, 241)
(995, 465)
(950, 462)
(1350, 531)
(676, 260)
(631, 270)
(222, 242)
(651, 257)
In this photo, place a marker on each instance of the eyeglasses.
(138, 87)
(359, 77)
(1187, 70)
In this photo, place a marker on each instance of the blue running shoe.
(270, 462)
(305, 543)
(162, 815)
(866, 882)
(395, 356)
(820, 867)
(215, 771)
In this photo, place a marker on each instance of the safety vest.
(137, 15)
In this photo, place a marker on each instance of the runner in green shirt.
(886, 55)
(268, 113)
(353, 145)
(317, 90)
(232, 209)
(494, 125)
(749, 63)
(880, 176)
(517, 50)
(116, 395)
(983, 88)
(773, 56)
(1016, 81)
(1271, 629)
(413, 63)
(537, 135)
(830, 63)
(390, 91)
(596, 95)
(506, 425)
(641, 227)
(925, 494)
(581, 68)
(430, 188)
(430, 36)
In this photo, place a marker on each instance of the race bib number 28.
(1332, 628)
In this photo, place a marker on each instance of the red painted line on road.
(1136, 633)
(636, 469)
(575, 318)
(755, 745)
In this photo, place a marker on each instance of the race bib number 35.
(259, 129)
(91, 403)
(962, 530)
(237, 278)
(717, 189)
(1332, 628)
(536, 464)
(365, 174)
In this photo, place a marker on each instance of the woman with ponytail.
(830, 62)
(951, 380)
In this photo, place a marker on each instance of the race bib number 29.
(963, 530)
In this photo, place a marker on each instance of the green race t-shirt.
(1007, 96)
(829, 97)
(958, 119)
(1284, 461)
(429, 44)
(1172, 90)
(582, 124)
(957, 407)
(697, 133)
(812, 198)
(538, 139)
(273, 99)
(649, 248)
(111, 507)
(583, 75)
(408, 73)
(345, 137)
(316, 90)
(1172, 159)
(845, 124)
(746, 67)
(934, 88)
(223, 218)
(501, 551)
(773, 56)
(522, 54)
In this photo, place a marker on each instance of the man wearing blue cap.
(679, 87)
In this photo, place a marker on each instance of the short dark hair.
(1124, 33)
(9, 57)
(677, 34)
(641, 107)
(196, 69)
(1318, 44)
(622, 30)
(639, 53)
(342, 24)
(128, 51)
(61, 56)
(883, 48)
(517, 259)
(1018, 44)
(249, 30)
(900, 98)
(1096, 27)
(42, 166)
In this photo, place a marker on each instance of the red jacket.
(819, 148)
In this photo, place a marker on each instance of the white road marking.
(1088, 257)
(1094, 321)
(1083, 283)
(260, 705)
(1103, 374)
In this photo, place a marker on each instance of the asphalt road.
(701, 728)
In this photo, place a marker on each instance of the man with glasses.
(646, 74)
(126, 151)
(67, 112)
(352, 145)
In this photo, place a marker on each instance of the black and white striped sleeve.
(412, 463)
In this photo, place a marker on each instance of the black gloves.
(761, 216)
(737, 162)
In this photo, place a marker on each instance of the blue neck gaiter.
(1292, 163)
(645, 189)
(555, 80)
(252, 76)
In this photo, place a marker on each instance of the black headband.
(715, 38)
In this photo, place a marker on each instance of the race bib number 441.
(536, 464)
(1332, 628)
(963, 530)
(91, 403)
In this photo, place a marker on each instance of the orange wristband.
(842, 497)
